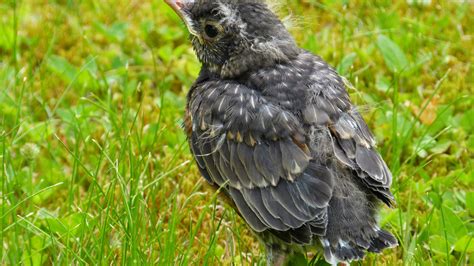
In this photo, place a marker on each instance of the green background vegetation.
(96, 168)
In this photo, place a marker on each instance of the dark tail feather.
(382, 241)
(355, 248)
(352, 227)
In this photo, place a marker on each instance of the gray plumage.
(273, 126)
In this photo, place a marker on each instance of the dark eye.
(211, 31)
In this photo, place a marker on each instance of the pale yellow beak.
(178, 6)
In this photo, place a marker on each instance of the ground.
(95, 164)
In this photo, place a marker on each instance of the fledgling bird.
(273, 126)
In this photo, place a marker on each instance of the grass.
(96, 168)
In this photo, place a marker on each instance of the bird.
(272, 127)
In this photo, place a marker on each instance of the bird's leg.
(275, 255)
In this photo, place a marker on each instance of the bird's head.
(231, 37)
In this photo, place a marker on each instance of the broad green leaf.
(447, 223)
(470, 202)
(470, 143)
(61, 67)
(166, 53)
(32, 258)
(383, 83)
(467, 121)
(393, 55)
(69, 73)
(6, 36)
(193, 67)
(114, 32)
(55, 225)
(388, 20)
(444, 117)
(66, 225)
(441, 147)
(346, 63)
(466, 243)
(454, 226)
(438, 245)
(435, 199)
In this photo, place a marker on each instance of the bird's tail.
(352, 230)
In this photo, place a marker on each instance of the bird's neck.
(242, 63)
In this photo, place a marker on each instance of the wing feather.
(254, 199)
(246, 155)
(355, 139)
(294, 160)
(270, 177)
(353, 143)
(354, 146)
(267, 160)
(279, 211)
(247, 213)
(237, 167)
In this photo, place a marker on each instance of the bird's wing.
(354, 145)
(257, 151)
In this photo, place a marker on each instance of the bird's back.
(293, 154)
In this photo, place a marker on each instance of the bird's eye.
(211, 31)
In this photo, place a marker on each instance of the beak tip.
(180, 7)
(176, 4)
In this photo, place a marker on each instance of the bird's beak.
(179, 6)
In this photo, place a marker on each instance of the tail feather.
(352, 229)
(382, 241)
(356, 249)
